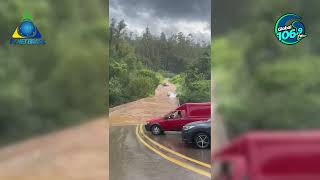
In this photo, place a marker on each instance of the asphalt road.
(173, 141)
(131, 160)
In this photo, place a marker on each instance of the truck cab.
(175, 120)
(270, 156)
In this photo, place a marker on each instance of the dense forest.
(261, 83)
(138, 63)
(58, 84)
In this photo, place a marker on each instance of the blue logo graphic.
(27, 33)
(289, 29)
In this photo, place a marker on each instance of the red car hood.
(155, 120)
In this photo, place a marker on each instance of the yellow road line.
(175, 161)
(174, 152)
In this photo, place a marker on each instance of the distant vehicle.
(197, 133)
(270, 156)
(172, 94)
(165, 84)
(175, 120)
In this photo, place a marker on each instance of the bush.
(199, 91)
(129, 86)
(166, 74)
(194, 85)
(140, 87)
(177, 79)
(282, 93)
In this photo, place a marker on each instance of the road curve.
(132, 160)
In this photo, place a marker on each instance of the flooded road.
(75, 153)
(132, 159)
(139, 111)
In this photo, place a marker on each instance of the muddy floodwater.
(141, 110)
(77, 153)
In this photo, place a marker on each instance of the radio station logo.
(289, 29)
(27, 33)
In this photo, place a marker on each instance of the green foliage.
(261, 83)
(56, 85)
(138, 65)
(194, 84)
(166, 74)
(141, 87)
(198, 91)
(133, 85)
(129, 79)
(177, 79)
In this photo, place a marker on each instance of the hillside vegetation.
(46, 87)
(138, 63)
(261, 83)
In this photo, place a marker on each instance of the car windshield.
(168, 115)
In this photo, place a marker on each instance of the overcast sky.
(169, 16)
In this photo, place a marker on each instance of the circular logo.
(289, 29)
(27, 29)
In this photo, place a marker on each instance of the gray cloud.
(169, 16)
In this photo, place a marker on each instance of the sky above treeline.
(168, 16)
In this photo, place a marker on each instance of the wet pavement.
(173, 141)
(131, 160)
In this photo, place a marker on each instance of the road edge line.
(174, 152)
(173, 160)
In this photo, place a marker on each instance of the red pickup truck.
(175, 120)
(270, 156)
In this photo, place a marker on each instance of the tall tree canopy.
(137, 63)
